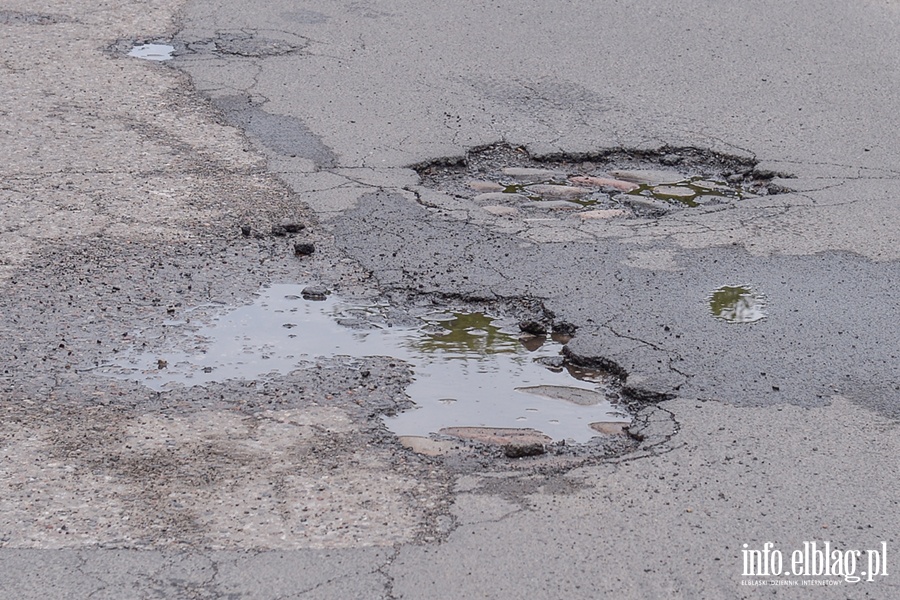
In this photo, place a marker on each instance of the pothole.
(737, 304)
(157, 52)
(474, 374)
(502, 179)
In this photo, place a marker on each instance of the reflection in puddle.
(470, 370)
(736, 304)
(475, 373)
(152, 52)
(692, 192)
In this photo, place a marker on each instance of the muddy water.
(469, 369)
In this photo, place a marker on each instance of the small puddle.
(470, 369)
(693, 192)
(152, 51)
(737, 304)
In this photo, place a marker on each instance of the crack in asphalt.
(859, 169)
(79, 568)
(388, 578)
(656, 447)
(669, 353)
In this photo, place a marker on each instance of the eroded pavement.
(336, 145)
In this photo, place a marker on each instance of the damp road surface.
(383, 299)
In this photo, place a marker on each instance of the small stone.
(304, 248)
(285, 228)
(498, 197)
(648, 205)
(606, 182)
(650, 176)
(485, 186)
(524, 174)
(673, 191)
(564, 328)
(245, 230)
(610, 428)
(554, 205)
(500, 211)
(555, 363)
(290, 227)
(558, 191)
(671, 160)
(533, 327)
(608, 213)
(736, 178)
(523, 450)
(315, 292)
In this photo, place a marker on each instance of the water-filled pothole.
(471, 370)
(634, 183)
(157, 52)
(737, 304)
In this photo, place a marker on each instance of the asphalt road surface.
(375, 148)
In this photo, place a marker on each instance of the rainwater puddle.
(470, 369)
(737, 304)
(692, 192)
(152, 52)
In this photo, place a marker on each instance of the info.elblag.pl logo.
(814, 559)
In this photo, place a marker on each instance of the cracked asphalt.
(142, 199)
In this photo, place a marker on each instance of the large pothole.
(480, 381)
(505, 181)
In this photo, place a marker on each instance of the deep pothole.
(506, 181)
(479, 379)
